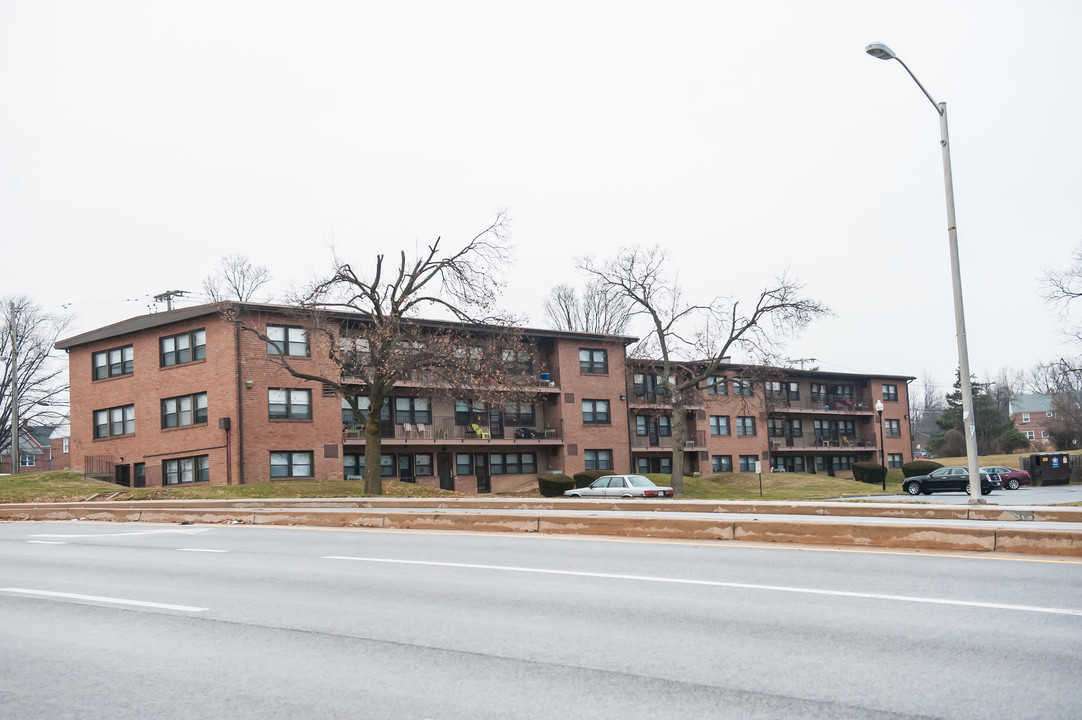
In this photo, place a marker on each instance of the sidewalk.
(1037, 530)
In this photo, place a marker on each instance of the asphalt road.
(144, 621)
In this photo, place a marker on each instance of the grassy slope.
(61, 486)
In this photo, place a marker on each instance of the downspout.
(240, 407)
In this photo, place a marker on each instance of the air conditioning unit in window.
(689, 443)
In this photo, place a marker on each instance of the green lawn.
(779, 486)
(60, 486)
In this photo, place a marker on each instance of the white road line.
(200, 550)
(96, 598)
(716, 583)
(192, 531)
(45, 542)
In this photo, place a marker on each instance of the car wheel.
(913, 488)
(575, 495)
(967, 490)
(1013, 483)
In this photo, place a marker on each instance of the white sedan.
(621, 486)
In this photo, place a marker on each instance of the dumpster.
(1050, 468)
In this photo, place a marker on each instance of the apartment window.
(598, 459)
(664, 426)
(114, 363)
(1044, 433)
(1025, 417)
(775, 427)
(844, 462)
(717, 385)
(1030, 434)
(722, 463)
(745, 426)
(595, 412)
(890, 393)
(518, 361)
(422, 465)
(180, 471)
(287, 340)
(468, 412)
(819, 392)
(775, 390)
(352, 464)
(183, 348)
(291, 464)
(412, 410)
(64, 445)
(794, 393)
(290, 404)
(27, 460)
(719, 424)
(519, 414)
(184, 410)
(1048, 413)
(747, 463)
(742, 386)
(512, 463)
(114, 421)
(892, 428)
(463, 464)
(894, 460)
(593, 361)
(796, 427)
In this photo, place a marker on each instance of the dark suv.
(948, 479)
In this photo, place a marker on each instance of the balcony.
(861, 405)
(696, 441)
(444, 430)
(807, 443)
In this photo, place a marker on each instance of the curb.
(1064, 542)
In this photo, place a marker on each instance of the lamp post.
(879, 409)
(881, 51)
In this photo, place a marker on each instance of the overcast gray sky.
(142, 141)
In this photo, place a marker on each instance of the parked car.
(621, 486)
(948, 479)
(1011, 478)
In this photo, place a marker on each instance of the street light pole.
(969, 428)
(879, 409)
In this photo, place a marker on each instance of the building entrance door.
(445, 470)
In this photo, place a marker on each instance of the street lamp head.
(881, 51)
(879, 406)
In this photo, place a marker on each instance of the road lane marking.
(107, 600)
(45, 542)
(719, 583)
(193, 531)
(200, 550)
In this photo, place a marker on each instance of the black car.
(948, 479)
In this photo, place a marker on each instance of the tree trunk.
(373, 444)
(679, 436)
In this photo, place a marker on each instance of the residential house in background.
(184, 396)
(35, 452)
(1033, 416)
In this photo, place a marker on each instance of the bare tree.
(367, 330)
(602, 308)
(235, 279)
(41, 379)
(926, 406)
(706, 333)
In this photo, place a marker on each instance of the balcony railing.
(695, 441)
(855, 442)
(821, 403)
(449, 429)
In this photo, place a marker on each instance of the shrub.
(554, 485)
(919, 467)
(869, 472)
(584, 478)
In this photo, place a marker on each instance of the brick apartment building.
(1033, 416)
(184, 396)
